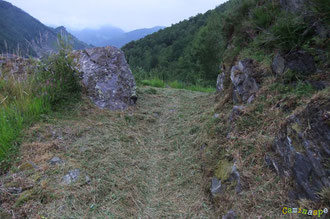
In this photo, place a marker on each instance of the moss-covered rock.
(25, 196)
(223, 170)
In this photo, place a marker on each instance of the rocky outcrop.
(245, 86)
(298, 61)
(106, 75)
(302, 149)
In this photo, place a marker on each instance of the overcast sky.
(126, 14)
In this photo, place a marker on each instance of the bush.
(321, 9)
(153, 83)
(263, 17)
(176, 85)
(58, 79)
(288, 32)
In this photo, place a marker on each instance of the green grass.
(177, 85)
(153, 83)
(14, 117)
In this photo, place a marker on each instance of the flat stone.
(216, 186)
(278, 65)
(230, 215)
(55, 160)
(71, 177)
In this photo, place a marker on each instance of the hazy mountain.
(22, 34)
(112, 36)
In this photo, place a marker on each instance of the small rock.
(230, 215)
(278, 65)
(236, 112)
(55, 160)
(87, 180)
(71, 177)
(251, 99)
(216, 186)
(15, 190)
(220, 82)
(216, 116)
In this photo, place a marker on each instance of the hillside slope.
(24, 35)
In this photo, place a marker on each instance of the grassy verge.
(177, 85)
(24, 101)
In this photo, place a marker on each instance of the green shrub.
(299, 89)
(58, 79)
(263, 16)
(288, 32)
(176, 84)
(321, 9)
(153, 83)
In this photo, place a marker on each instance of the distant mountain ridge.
(112, 36)
(24, 35)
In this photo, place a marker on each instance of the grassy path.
(142, 163)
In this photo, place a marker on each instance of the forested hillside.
(187, 51)
(24, 35)
(193, 50)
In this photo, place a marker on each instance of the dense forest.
(193, 51)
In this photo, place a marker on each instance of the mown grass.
(177, 85)
(143, 163)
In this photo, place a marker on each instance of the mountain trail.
(143, 163)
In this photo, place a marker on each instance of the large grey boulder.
(302, 149)
(107, 77)
(245, 86)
